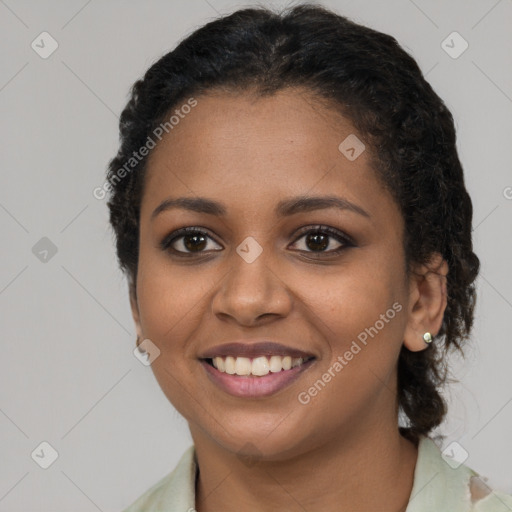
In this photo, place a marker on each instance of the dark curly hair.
(372, 81)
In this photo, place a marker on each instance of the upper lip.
(253, 349)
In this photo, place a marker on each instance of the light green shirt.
(437, 487)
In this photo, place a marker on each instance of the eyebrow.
(284, 208)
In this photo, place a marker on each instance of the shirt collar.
(439, 484)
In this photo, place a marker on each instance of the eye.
(192, 240)
(318, 239)
(187, 241)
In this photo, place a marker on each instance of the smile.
(254, 368)
(258, 377)
(257, 367)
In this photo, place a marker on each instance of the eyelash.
(167, 242)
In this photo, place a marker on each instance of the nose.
(251, 293)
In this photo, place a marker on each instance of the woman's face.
(264, 271)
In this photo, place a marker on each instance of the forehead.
(245, 149)
(289, 124)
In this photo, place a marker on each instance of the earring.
(427, 337)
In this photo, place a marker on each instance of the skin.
(341, 451)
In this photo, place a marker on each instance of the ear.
(427, 302)
(135, 311)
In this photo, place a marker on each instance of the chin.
(256, 441)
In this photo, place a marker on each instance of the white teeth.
(275, 364)
(218, 362)
(242, 366)
(259, 366)
(229, 365)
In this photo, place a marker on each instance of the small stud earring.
(427, 337)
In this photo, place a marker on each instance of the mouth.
(254, 370)
(257, 366)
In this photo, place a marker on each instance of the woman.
(290, 211)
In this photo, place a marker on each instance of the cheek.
(172, 302)
(362, 325)
(353, 298)
(359, 311)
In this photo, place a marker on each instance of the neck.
(364, 470)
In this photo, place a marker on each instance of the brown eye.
(319, 239)
(194, 243)
(187, 241)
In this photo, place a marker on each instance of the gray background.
(68, 374)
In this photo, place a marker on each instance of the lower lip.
(250, 386)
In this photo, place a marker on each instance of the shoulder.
(445, 485)
(486, 499)
(175, 491)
